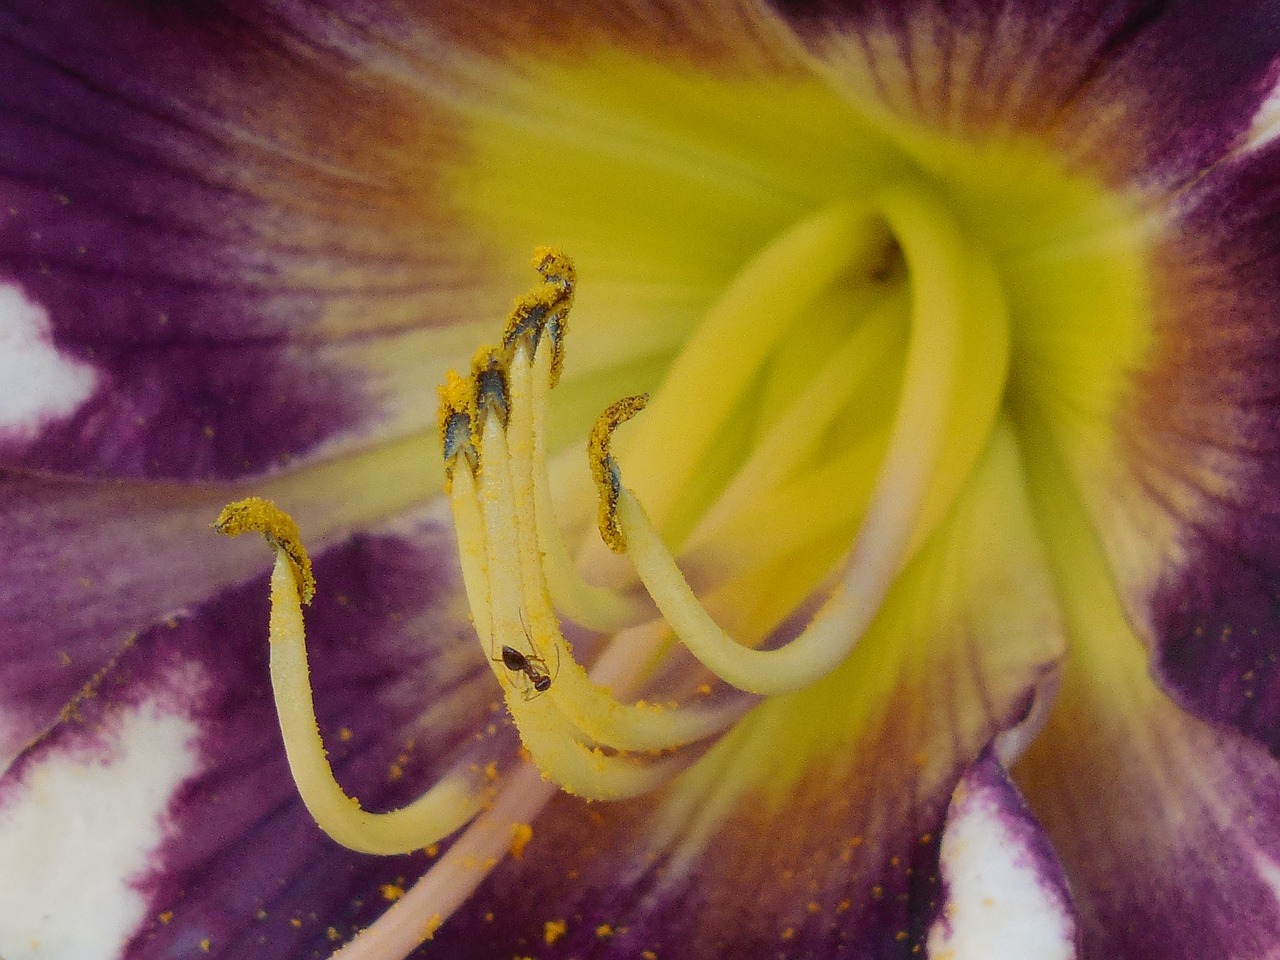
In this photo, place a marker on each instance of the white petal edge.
(82, 825)
(38, 383)
(1006, 893)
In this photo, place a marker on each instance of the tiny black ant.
(533, 667)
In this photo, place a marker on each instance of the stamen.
(456, 397)
(501, 543)
(440, 811)
(485, 515)
(766, 298)
(546, 309)
(799, 431)
(589, 707)
(936, 257)
(593, 606)
(552, 741)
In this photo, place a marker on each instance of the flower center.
(882, 489)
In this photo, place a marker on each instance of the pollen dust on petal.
(553, 930)
(521, 834)
(433, 924)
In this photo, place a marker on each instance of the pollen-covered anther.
(264, 517)
(545, 309)
(457, 400)
(492, 391)
(604, 469)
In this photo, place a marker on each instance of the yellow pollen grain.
(900, 935)
(433, 850)
(553, 930)
(789, 933)
(602, 467)
(295, 922)
(435, 922)
(521, 834)
(205, 944)
(648, 955)
(491, 770)
(813, 906)
(345, 734)
(391, 891)
(333, 934)
(264, 517)
(166, 917)
(604, 931)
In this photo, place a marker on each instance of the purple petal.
(1193, 529)
(84, 567)
(160, 812)
(188, 236)
(1006, 896)
(1131, 90)
(1168, 827)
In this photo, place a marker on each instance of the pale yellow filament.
(440, 811)
(595, 607)
(799, 431)
(760, 305)
(437, 813)
(940, 266)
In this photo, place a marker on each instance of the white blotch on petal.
(1269, 871)
(1265, 126)
(38, 383)
(1006, 896)
(79, 830)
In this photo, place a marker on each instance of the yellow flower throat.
(870, 450)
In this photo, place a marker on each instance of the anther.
(492, 394)
(604, 469)
(264, 517)
(545, 309)
(456, 403)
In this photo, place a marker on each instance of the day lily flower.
(926, 607)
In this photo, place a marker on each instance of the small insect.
(533, 667)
